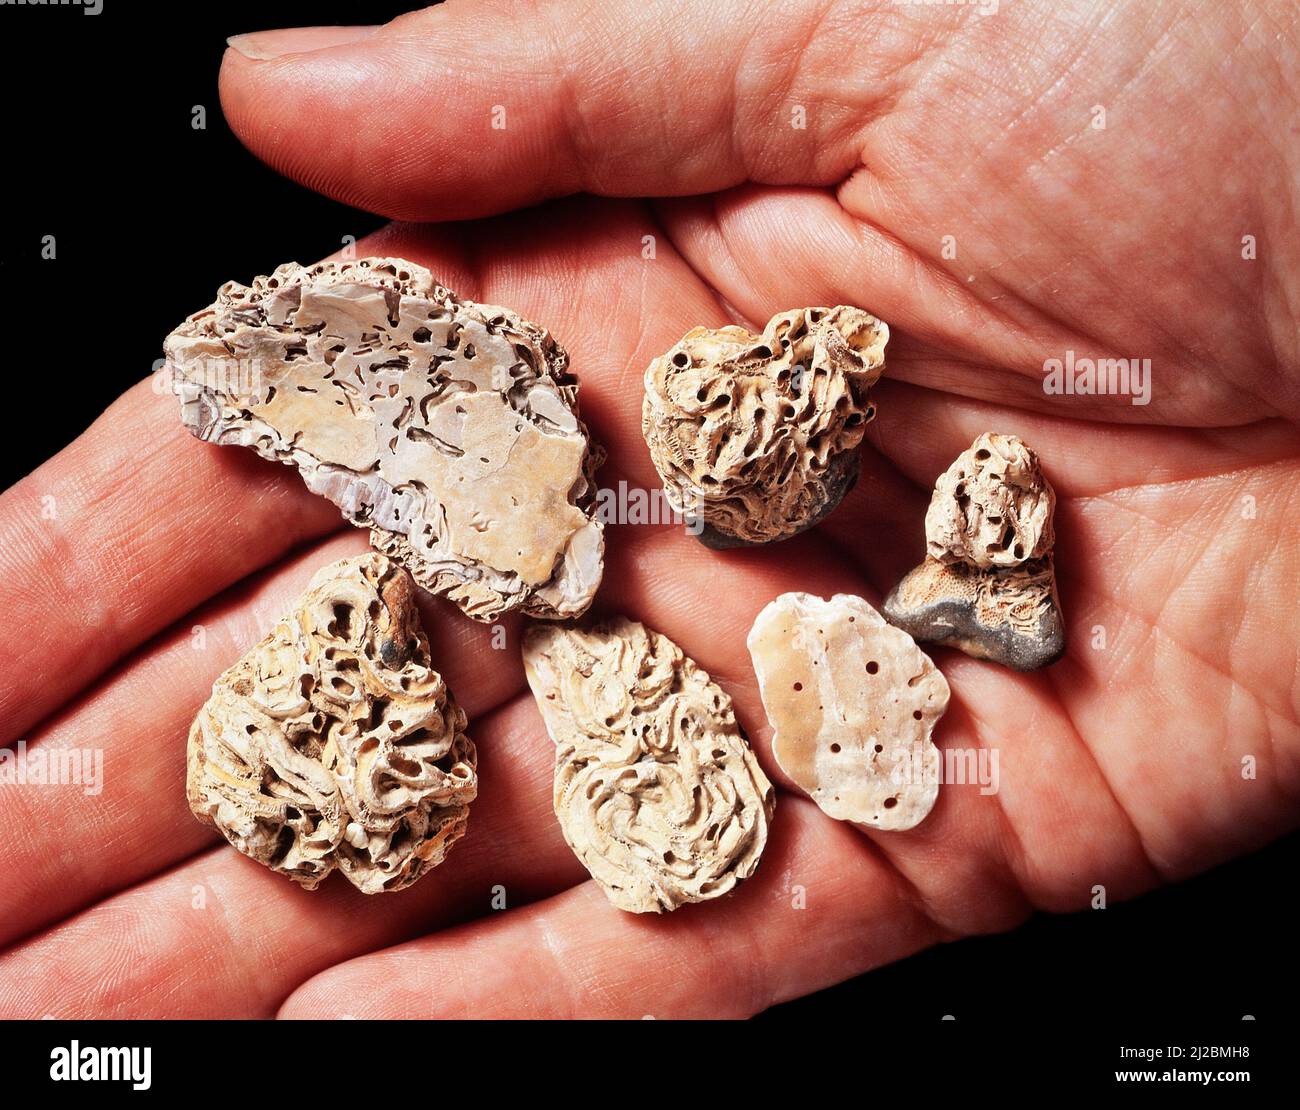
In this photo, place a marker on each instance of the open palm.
(819, 154)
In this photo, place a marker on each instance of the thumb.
(477, 106)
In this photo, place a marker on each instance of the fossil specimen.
(758, 434)
(656, 789)
(334, 743)
(852, 702)
(992, 507)
(987, 585)
(448, 428)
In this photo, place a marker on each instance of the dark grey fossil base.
(953, 623)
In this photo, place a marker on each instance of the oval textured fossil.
(987, 585)
(656, 789)
(334, 743)
(450, 429)
(759, 434)
(852, 702)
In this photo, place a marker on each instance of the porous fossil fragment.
(450, 429)
(852, 702)
(987, 585)
(334, 743)
(759, 435)
(656, 789)
(992, 507)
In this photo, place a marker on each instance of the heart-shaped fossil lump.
(334, 744)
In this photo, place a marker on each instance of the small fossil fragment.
(333, 743)
(852, 702)
(450, 429)
(987, 585)
(992, 507)
(759, 435)
(656, 788)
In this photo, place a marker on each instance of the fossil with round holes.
(656, 789)
(334, 743)
(987, 585)
(450, 429)
(852, 702)
(758, 435)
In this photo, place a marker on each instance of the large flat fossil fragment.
(450, 429)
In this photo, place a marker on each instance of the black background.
(150, 215)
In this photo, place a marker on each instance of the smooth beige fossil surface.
(334, 743)
(656, 789)
(987, 585)
(852, 702)
(759, 434)
(450, 429)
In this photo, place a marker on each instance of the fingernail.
(262, 46)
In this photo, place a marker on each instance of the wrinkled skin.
(1121, 765)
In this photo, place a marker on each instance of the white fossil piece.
(334, 743)
(852, 702)
(656, 789)
(450, 429)
(987, 585)
(759, 434)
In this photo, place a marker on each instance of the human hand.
(1120, 766)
